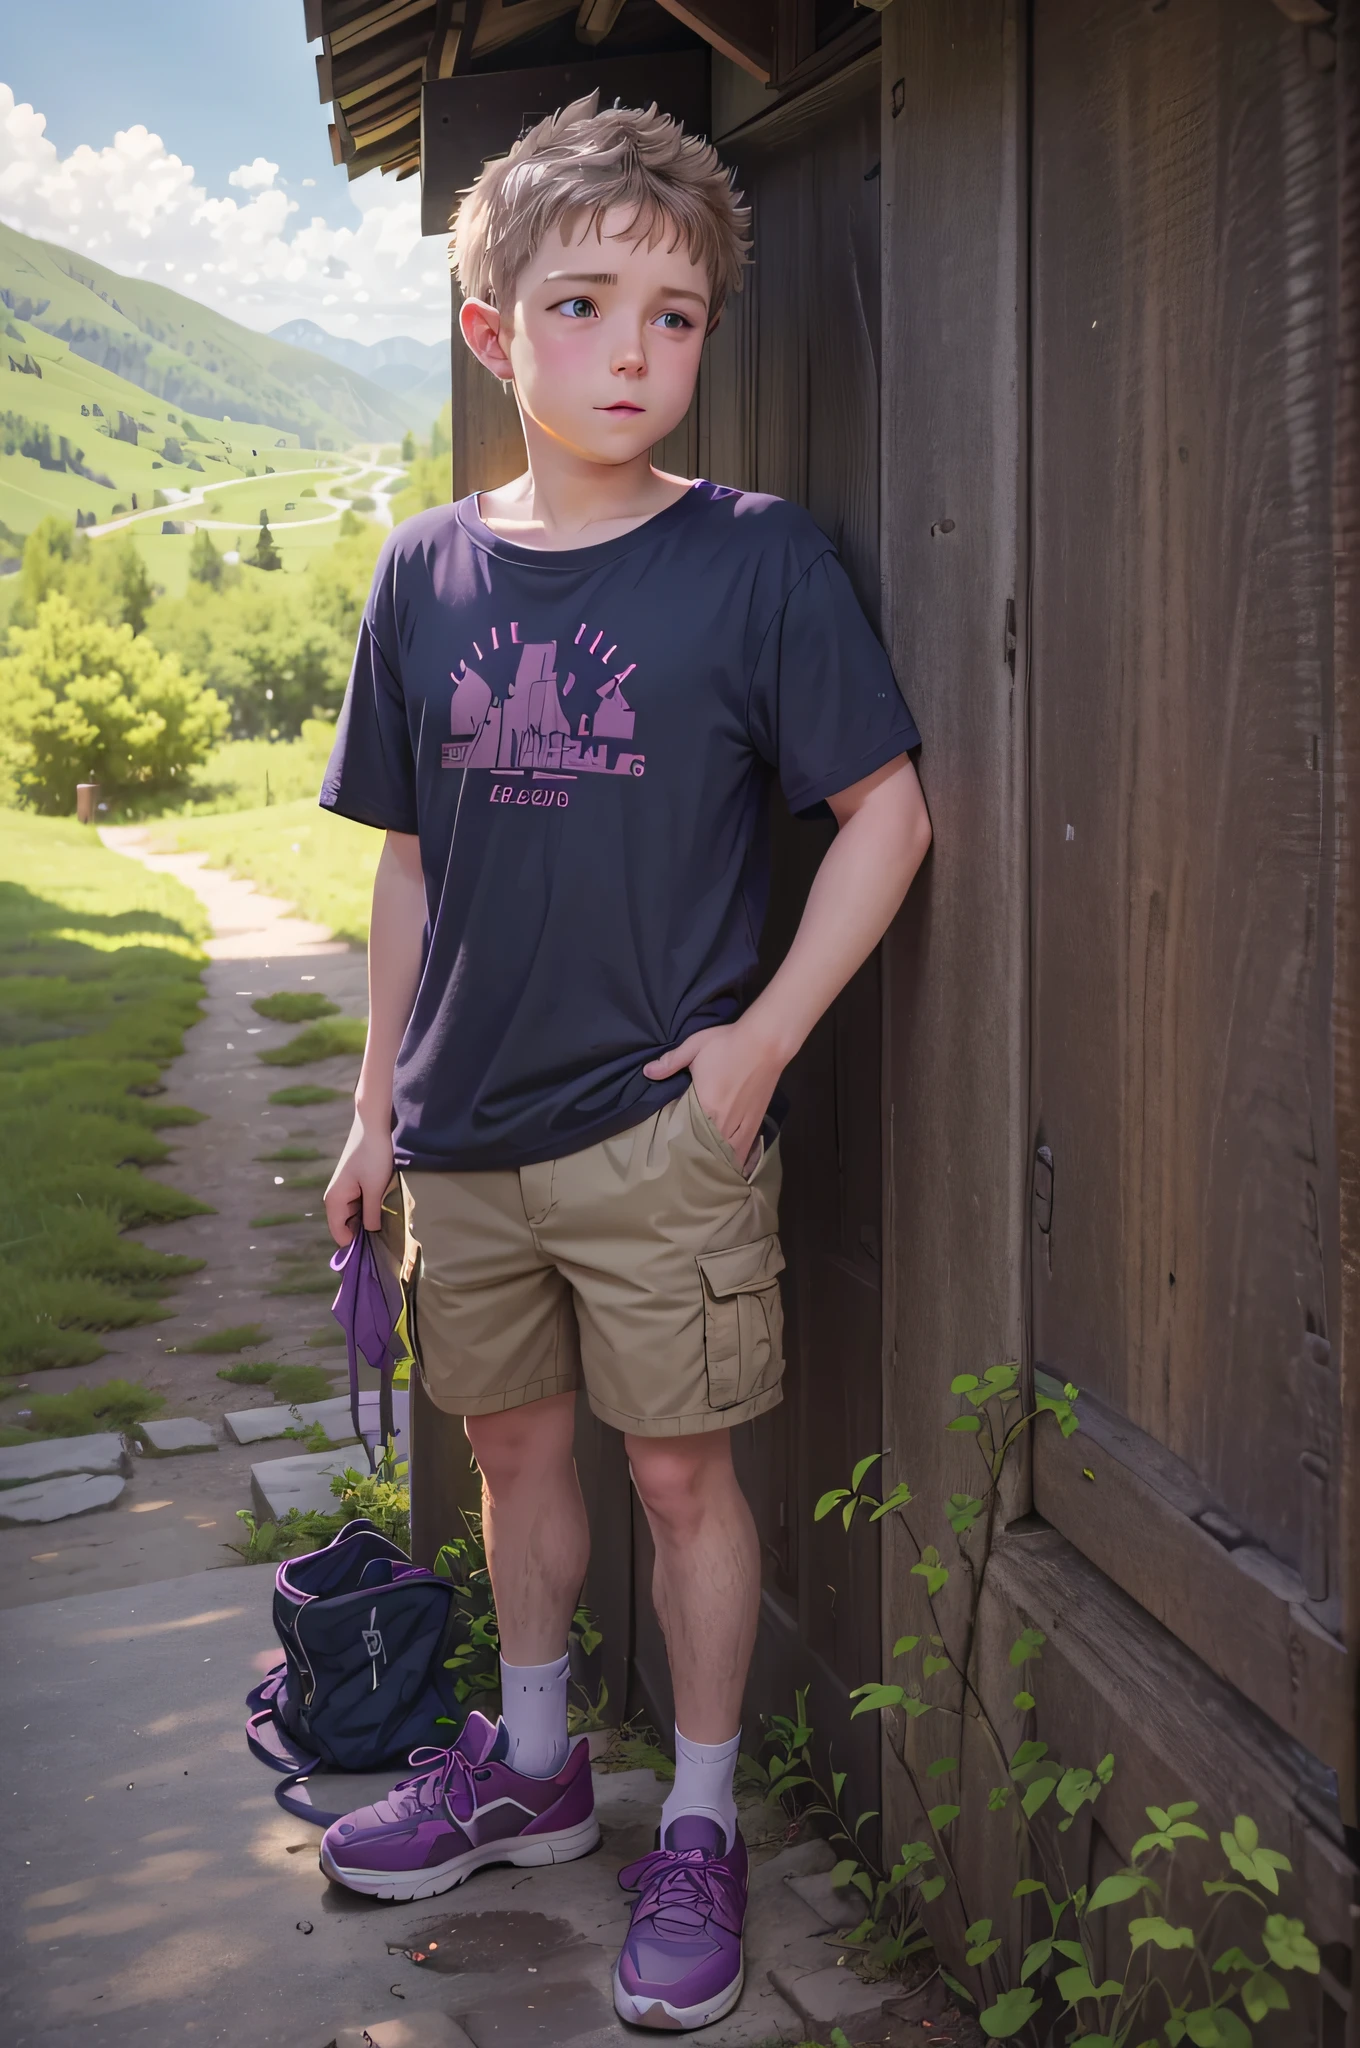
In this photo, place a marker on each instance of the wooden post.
(87, 802)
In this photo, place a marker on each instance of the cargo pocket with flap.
(743, 1320)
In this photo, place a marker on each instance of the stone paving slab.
(838, 1908)
(275, 1419)
(423, 2030)
(56, 1500)
(105, 1452)
(152, 1890)
(833, 1997)
(179, 1433)
(303, 1483)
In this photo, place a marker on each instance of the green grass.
(331, 1039)
(322, 864)
(290, 1383)
(286, 1152)
(100, 977)
(305, 1094)
(322, 1340)
(118, 1404)
(278, 1218)
(240, 1337)
(294, 1006)
(318, 1280)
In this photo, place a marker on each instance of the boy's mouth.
(621, 408)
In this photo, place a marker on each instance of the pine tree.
(408, 446)
(266, 555)
(205, 564)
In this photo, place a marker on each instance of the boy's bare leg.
(534, 1522)
(706, 1583)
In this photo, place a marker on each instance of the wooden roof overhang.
(438, 86)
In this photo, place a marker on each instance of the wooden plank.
(742, 30)
(954, 963)
(1111, 1679)
(1184, 876)
(1129, 1508)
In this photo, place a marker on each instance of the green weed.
(332, 1038)
(319, 1281)
(288, 1152)
(99, 979)
(290, 1383)
(278, 1217)
(322, 1340)
(304, 1094)
(84, 1411)
(240, 1337)
(294, 1006)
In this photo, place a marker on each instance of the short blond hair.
(578, 164)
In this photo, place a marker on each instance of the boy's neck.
(562, 501)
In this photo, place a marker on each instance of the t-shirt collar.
(600, 552)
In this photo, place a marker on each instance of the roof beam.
(742, 30)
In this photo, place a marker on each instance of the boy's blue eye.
(577, 309)
(674, 323)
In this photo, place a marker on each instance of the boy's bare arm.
(395, 945)
(857, 891)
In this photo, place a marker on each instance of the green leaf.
(931, 1887)
(1013, 2010)
(1102, 2041)
(1036, 1795)
(911, 1703)
(838, 2039)
(1075, 1787)
(1036, 1955)
(941, 1766)
(964, 1383)
(962, 1511)
(904, 1645)
(1217, 2027)
(1263, 1993)
(979, 1930)
(1288, 1946)
(967, 1425)
(1075, 1984)
(940, 1816)
(930, 1665)
(959, 1990)
(1028, 1753)
(837, 1782)
(863, 1883)
(874, 1698)
(1023, 1700)
(843, 1872)
(1027, 1644)
(864, 1466)
(900, 1497)
(829, 1501)
(999, 1798)
(1113, 1890)
(1160, 1931)
(1026, 1886)
(1181, 1812)
(979, 1953)
(931, 1570)
(1243, 1851)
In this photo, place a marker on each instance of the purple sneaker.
(465, 1808)
(681, 1964)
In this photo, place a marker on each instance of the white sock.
(704, 1772)
(534, 1709)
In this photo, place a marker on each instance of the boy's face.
(603, 340)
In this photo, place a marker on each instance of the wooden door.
(1186, 1221)
(789, 403)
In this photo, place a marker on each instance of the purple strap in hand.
(367, 1308)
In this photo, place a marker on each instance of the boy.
(569, 697)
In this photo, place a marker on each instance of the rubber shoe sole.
(665, 2018)
(563, 1847)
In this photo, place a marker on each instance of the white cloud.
(134, 203)
(254, 177)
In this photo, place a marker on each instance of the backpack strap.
(287, 1795)
(267, 1739)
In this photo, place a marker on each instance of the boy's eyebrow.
(611, 277)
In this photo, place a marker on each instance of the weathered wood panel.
(954, 1040)
(1185, 873)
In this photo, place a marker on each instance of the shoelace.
(682, 1888)
(427, 1790)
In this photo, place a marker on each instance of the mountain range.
(415, 372)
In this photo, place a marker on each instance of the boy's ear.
(481, 329)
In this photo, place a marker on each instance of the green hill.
(183, 353)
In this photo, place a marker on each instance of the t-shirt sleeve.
(824, 708)
(371, 775)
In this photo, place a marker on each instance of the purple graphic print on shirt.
(527, 721)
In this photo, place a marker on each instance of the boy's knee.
(676, 1476)
(522, 1444)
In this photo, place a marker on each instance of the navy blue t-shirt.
(584, 742)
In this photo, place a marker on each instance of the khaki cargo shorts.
(645, 1268)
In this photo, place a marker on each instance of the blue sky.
(186, 144)
(223, 84)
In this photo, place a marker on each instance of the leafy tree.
(80, 698)
(408, 446)
(262, 648)
(266, 555)
(205, 564)
(441, 433)
(133, 586)
(350, 524)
